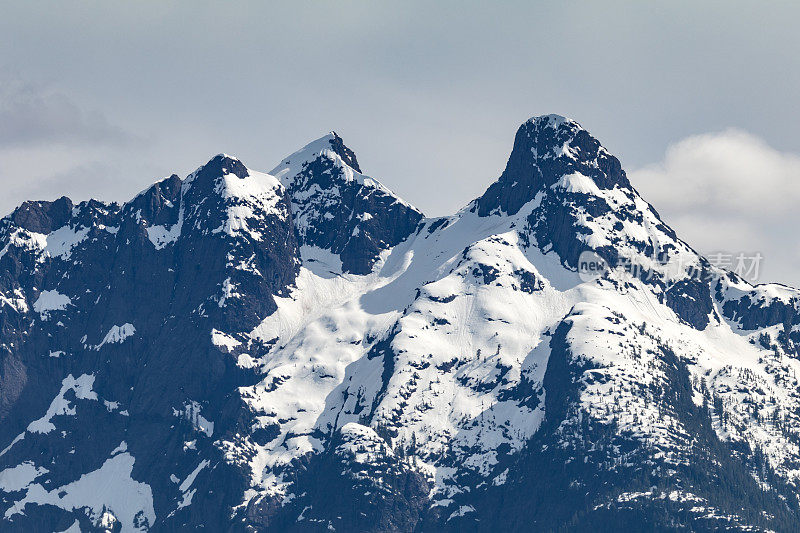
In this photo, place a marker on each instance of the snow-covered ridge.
(307, 322)
(437, 315)
(337, 208)
(330, 147)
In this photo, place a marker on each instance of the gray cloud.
(50, 146)
(77, 171)
(31, 115)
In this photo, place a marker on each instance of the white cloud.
(730, 192)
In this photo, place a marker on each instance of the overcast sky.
(698, 99)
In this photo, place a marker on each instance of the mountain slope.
(302, 350)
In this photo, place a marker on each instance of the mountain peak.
(330, 144)
(222, 164)
(553, 120)
(546, 148)
(337, 208)
(43, 216)
(338, 146)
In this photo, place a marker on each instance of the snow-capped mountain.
(303, 350)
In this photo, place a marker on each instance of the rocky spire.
(545, 149)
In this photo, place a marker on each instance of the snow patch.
(577, 183)
(60, 406)
(61, 242)
(228, 291)
(223, 340)
(117, 335)
(160, 236)
(16, 300)
(20, 477)
(110, 489)
(51, 300)
(191, 412)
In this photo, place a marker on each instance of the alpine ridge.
(303, 350)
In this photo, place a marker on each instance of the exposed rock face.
(340, 210)
(545, 149)
(131, 299)
(302, 350)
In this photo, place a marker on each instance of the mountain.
(304, 351)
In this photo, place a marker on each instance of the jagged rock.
(338, 209)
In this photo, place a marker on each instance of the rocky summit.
(302, 350)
